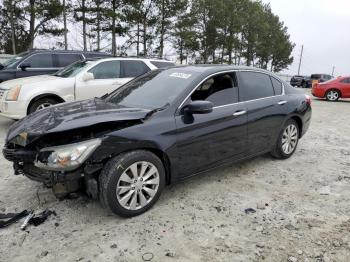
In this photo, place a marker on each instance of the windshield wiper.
(150, 113)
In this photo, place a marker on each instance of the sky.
(323, 27)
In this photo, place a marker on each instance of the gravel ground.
(302, 210)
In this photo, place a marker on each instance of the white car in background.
(81, 80)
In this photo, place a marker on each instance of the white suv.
(81, 80)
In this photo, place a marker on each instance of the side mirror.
(24, 66)
(87, 77)
(199, 107)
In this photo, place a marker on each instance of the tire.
(41, 103)
(304, 85)
(281, 151)
(113, 183)
(332, 95)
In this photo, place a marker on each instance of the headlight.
(13, 93)
(66, 157)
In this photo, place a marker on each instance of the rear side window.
(220, 90)
(254, 85)
(161, 64)
(133, 68)
(66, 59)
(277, 86)
(40, 61)
(106, 70)
(346, 81)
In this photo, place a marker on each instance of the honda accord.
(158, 129)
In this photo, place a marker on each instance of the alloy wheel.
(138, 185)
(332, 95)
(289, 139)
(42, 106)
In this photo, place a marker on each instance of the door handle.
(240, 113)
(282, 102)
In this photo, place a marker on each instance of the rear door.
(264, 109)
(40, 64)
(106, 80)
(210, 139)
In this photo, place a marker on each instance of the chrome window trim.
(234, 71)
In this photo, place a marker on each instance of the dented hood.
(70, 116)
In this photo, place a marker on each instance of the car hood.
(28, 80)
(66, 117)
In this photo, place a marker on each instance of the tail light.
(308, 99)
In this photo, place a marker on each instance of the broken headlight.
(66, 157)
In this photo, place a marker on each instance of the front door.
(38, 64)
(211, 139)
(106, 80)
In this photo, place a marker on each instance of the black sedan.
(158, 129)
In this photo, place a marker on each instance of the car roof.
(217, 68)
(63, 51)
(126, 58)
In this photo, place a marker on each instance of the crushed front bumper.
(62, 183)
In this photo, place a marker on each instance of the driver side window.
(220, 90)
(106, 70)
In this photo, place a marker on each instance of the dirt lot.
(306, 216)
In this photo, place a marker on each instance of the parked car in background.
(333, 89)
(40, 62)
(316, 78)
(80, 80)
(158, 129)
(297, 80)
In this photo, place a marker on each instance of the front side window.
(254, 85)
(106, 70)
(40, 61)
(277, 86)
(132, 68)
(220, 90)
(155, 89)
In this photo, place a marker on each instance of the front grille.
(2, 91)
(19, 155)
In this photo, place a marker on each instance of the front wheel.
(287, 140)
(131, 183)
(41, 104)
(332, 95)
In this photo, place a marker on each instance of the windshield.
(153, 90)
(13, 60)
(73, 69)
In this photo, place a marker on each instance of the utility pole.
(333, 71)
(301, 57)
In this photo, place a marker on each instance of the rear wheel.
(131, 183)
(41, 104)
(287, 140)
(333, 95)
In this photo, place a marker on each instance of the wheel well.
(300, 124)
(166, 162)
(52, 96)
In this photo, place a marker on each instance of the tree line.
(242, 32)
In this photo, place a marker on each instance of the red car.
(333, 89)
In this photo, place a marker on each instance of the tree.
(41, 16)
(168, 10)
(142, 16)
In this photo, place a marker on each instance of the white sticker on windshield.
(181, 75)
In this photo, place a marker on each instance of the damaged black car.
(158, 129)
